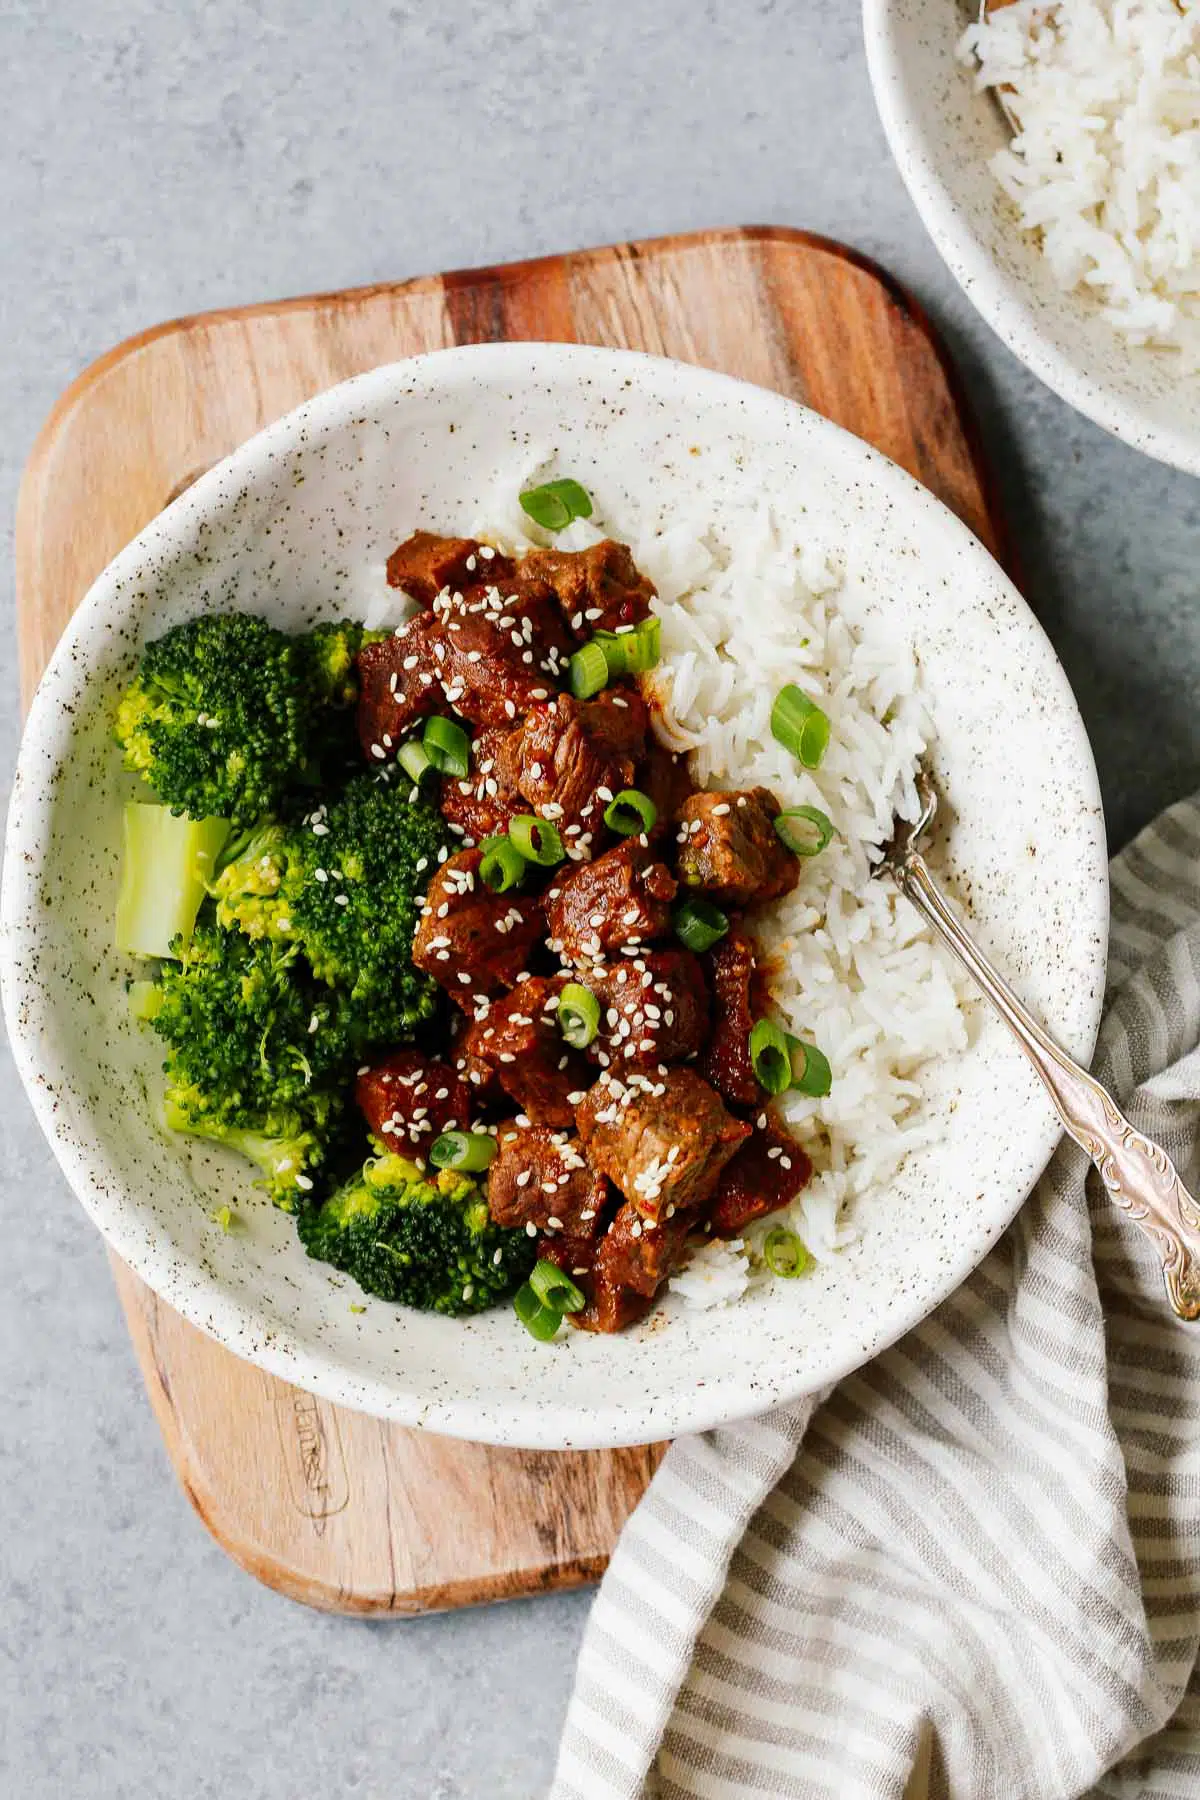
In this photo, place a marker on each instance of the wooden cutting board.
(330, 1507)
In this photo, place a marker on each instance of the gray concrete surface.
(159, 159)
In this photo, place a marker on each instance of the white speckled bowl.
(297, 523)
(942, 134)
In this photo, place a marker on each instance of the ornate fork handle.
(1139, 1176)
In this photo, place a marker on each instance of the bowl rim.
(1000, 301)
(207, 1302)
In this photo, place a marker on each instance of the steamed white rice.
(1106, 165)
(861, 977)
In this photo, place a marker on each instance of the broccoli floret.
(427, 1243)
(165, 871)
(226, 714)
(344, 884)
(285, 1152)
(259, 1054)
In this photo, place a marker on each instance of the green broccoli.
(344, 884)
(227, 715)
(259, 1054)
(427, 1243)
(165, 871)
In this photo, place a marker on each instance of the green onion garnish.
(556, 503)
(467, 1151)
(784, 1254)
(541, 1322)
(800, 726)
(413, 759)
(631, 812)
(699, 924)
(805, 829)
(503, 867)
(556, 1290)
(578, 1015)
(536, 839)
(811, 1073)
(588, 671)
(771, 1057)
(633, 651)
(447, 746)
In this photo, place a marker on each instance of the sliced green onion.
(699, 924)
(804, 829)
(633, 651)
(588, 670)
(631, 812)
(447, 746)
(784, 1254)
(467, 1151)
(554, 1289)
(578, 1015)
(771, 1057)
(800, 726)
(811, 1073)
(414, 759)
(536, 839)
(556, 503)
(503, 867)
(541, 1322)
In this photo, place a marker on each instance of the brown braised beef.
(768, 1172)
(473, 942)
(424, 564)
(728, 846)
(517, 1041)
(733, 977)
(623, 897)
(662, 1139)
(654, 1008)
(610, 1168)
(410, 1098)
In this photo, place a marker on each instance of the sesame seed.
(341, 899)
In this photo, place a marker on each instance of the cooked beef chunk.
(398, 684)
(664, 777)
(768, 1172)
(598, 589)
(475, 943)
(623, 897)
(733, 977)
(567, 758)
(654, 1008)
(635, 1253)
(541, 1177)
(630, 1264)
(492, 663)
(610, 1308)
(573, 1254)
(662, 1139)
(519, 1041)
(425, 563)
(729, 847)
(481, 806)
(410, 1099)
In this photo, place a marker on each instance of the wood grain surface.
(331, 1507)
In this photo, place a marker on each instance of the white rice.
(1106, 166)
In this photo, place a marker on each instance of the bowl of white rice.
(1076, 235)
(783, 551)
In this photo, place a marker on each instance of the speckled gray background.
(161, 160)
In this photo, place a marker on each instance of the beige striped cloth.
(973, 1569)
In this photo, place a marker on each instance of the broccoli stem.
(167, 864)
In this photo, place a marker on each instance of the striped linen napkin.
(972, 1570)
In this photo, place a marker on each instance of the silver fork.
(1139, 1176)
